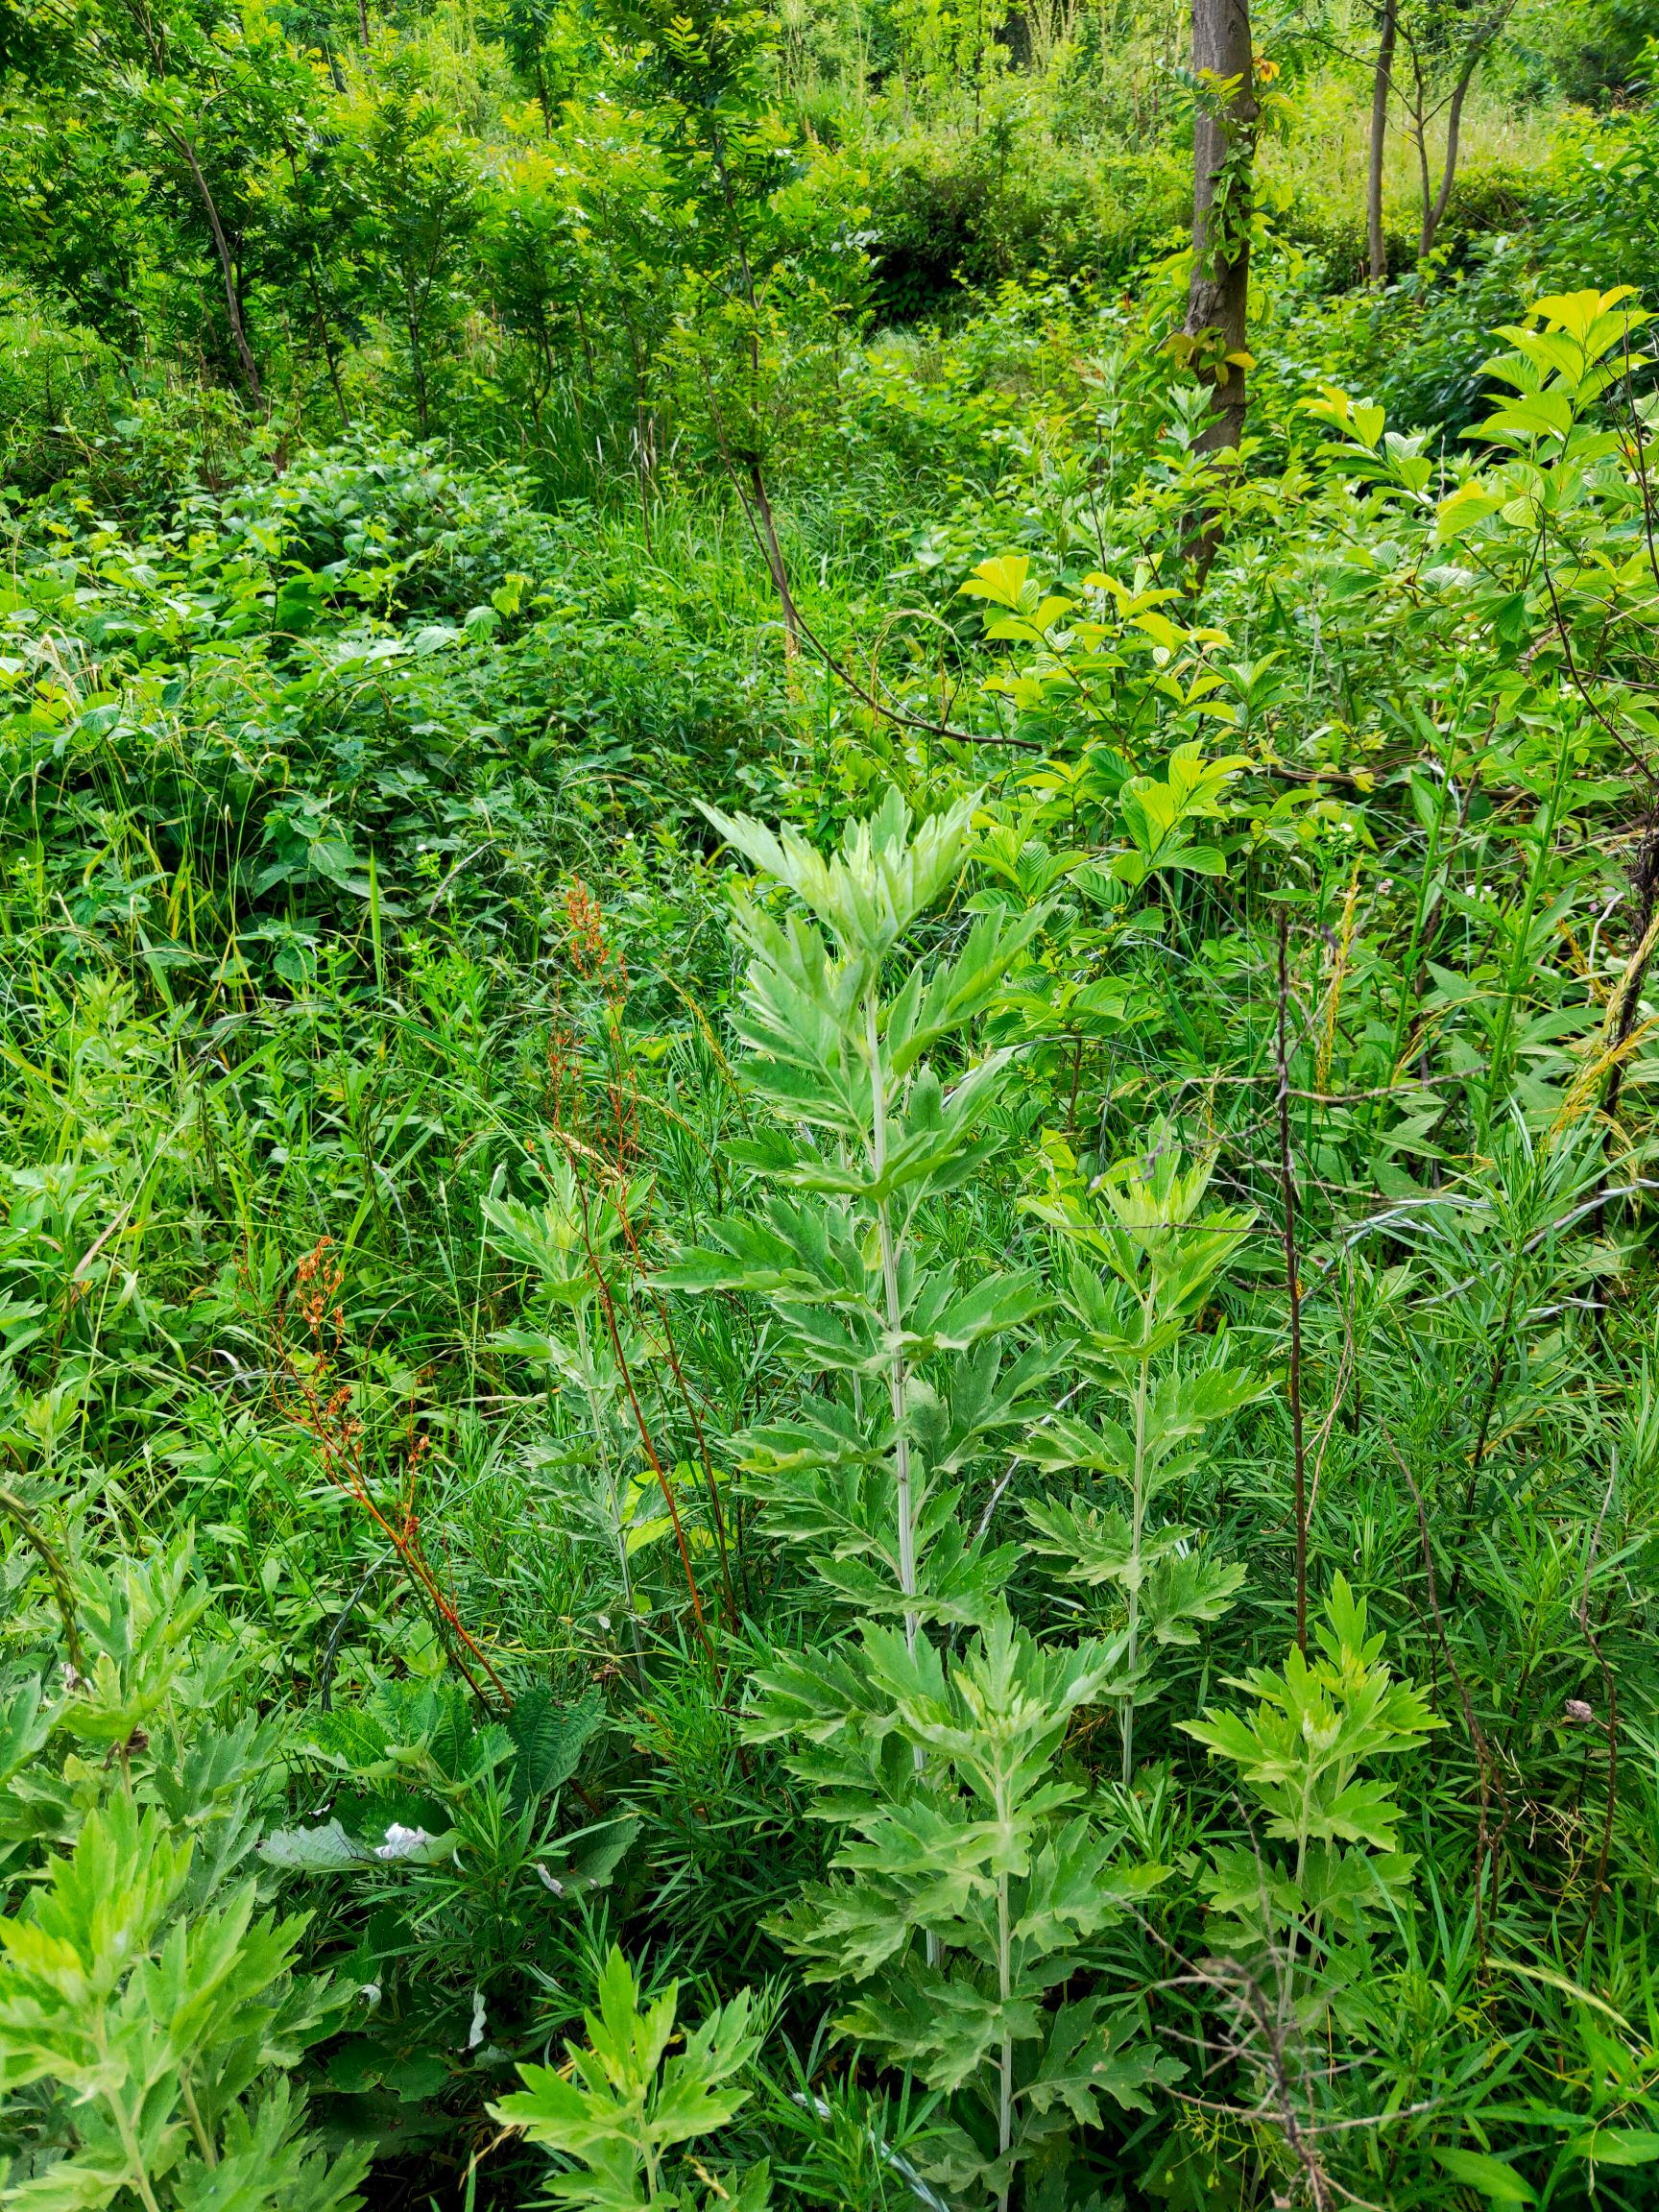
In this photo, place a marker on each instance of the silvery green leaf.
(315, 1850)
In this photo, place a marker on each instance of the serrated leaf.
(314, 1850)
(548, 1739)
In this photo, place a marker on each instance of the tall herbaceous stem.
(1520, 960)
(869, 1129)
(1419, 924)
(1145, 1260)
(138, 2172)
(1137, 1525)
(897, 1371)
(1004, 1990)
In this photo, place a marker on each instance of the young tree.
(419, 197)
(175, 176)
(1446, 45)
(543, 42)
(210, 93)
(759, 283)
(77, 224)
(312, 226)
(533, 245)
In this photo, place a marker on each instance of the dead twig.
(1486, 1844)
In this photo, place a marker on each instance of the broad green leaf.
(1491, 2177)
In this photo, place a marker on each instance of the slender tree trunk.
(644, 472)
(187, 151)
(1483, 36)
(363, 24)
(1381, 86)
(1418, 129)
(587, 350)
(327, 345)
(774, 562)
(1433, 216)
(1219, 301)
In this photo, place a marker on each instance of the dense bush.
(1013, 203)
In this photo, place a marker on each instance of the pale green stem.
(843, 1162)
(1006, 2087)
(649, 2150)
(898, 1374)
(1138, 1523)
(203, 2141)
(1302, 1824)
(125, 2130)
(1516, 975)
(898, 1378)
(134, 2158)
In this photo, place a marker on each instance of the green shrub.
(967, 214)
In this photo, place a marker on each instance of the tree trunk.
(183, 146)
(774, 562)
(1381, 84)
(1482, 34)
(587, 350)
(327, 342)
(1433, 216)
(1222, 148)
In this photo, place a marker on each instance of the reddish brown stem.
(1292, 1285)
(607, 1307)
